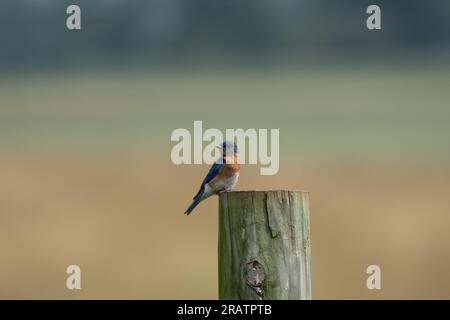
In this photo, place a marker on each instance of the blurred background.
(86, 118)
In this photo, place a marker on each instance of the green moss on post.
(264, 246)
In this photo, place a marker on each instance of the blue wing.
(213, 171)
(215, 168)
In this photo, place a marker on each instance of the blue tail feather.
(195, 202)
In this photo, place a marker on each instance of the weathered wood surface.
(264, 245)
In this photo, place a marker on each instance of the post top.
(270, 190)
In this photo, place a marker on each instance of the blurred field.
(86, 178)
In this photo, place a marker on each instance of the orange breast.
(230, 167)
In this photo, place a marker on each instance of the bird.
(222, 176)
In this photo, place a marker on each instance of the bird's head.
(228, 148)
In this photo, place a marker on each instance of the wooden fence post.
(264, 246)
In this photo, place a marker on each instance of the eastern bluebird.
(222, 176)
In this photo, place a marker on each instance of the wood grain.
(264, 245)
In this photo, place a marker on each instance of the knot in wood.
(255, 276)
